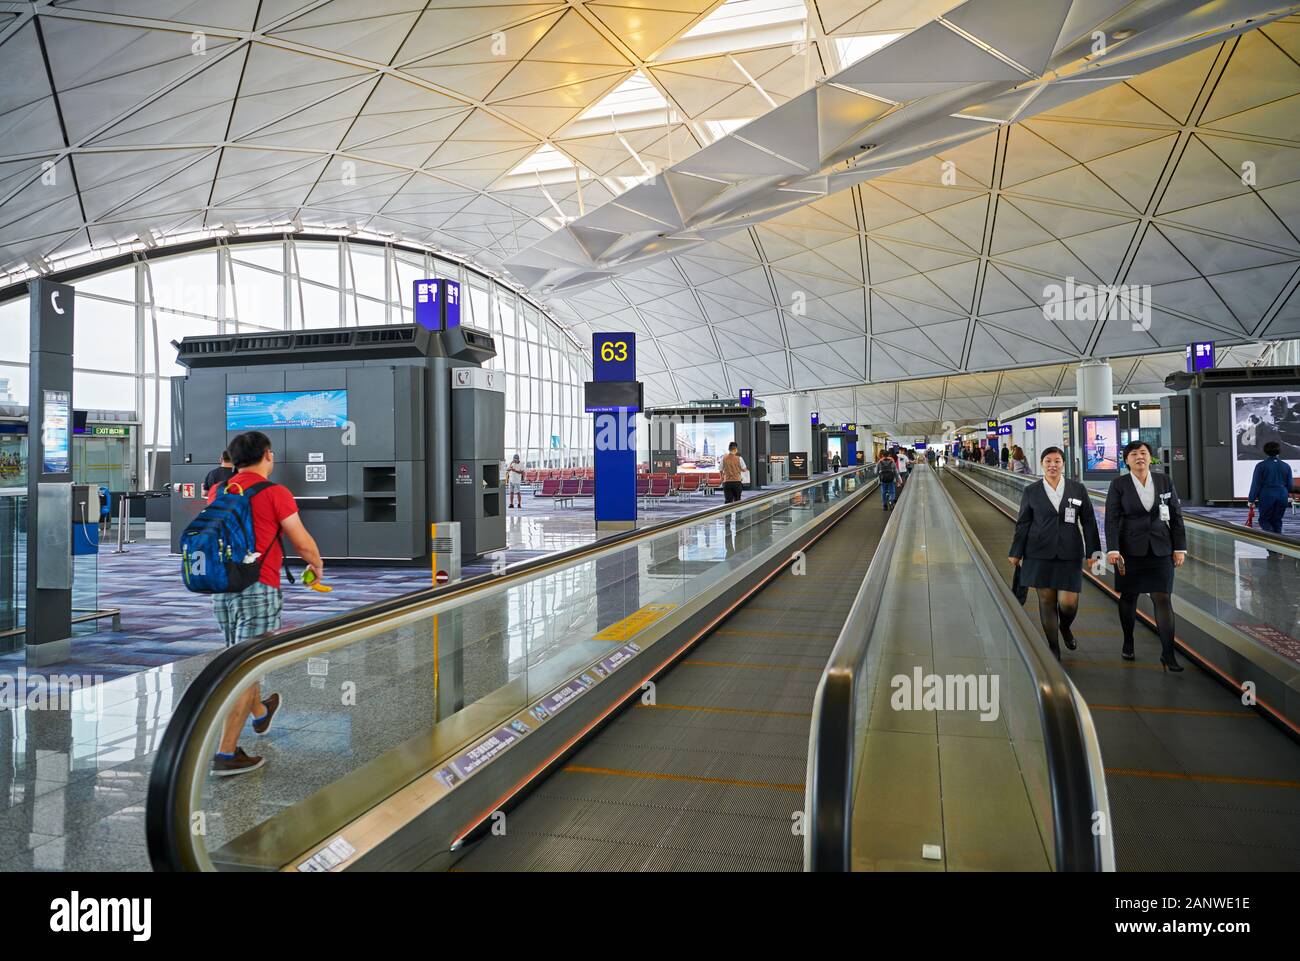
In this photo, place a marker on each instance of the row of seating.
(534, 476)
(649, 487)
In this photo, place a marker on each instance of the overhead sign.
(1200, 356)
(815, 416)
(1004, 430)
(1031, 423)
(450, 303)
(992, 426)
(105, 430)
(613, 356)
(746, 397)
(428, 313)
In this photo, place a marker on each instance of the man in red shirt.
(256, 609)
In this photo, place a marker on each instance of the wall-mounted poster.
(1256, 420)
(1100, 444)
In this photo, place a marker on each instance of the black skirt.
(1150, 574)
(1053, 574)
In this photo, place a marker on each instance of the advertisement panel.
(1100, 443)
(1256, 420)
(287, 409)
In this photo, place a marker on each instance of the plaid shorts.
(252, 612)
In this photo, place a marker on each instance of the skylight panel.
(635, 95)
(736, 15)
(852, 49)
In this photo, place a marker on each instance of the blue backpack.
(215, 544)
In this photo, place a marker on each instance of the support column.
(800, 407)
(49, 475)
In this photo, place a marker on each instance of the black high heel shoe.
(1069, 640)
(1127, 654)
(1171, 666)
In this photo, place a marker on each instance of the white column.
(800, 408)
(1095, 388)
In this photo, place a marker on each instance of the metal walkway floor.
(711, 776)
(1197, 781)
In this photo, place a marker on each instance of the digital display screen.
(834, 445)
(701, 446)
(287, 410)
(611, 396)
(1256, 420)
(56, 432)
(1100, 442)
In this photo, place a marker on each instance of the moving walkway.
(1197, 779)
(644, 703)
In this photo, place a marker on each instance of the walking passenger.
(1049, 548)
(835, 463)
(1019, 462)
(515, 490)
(887, 473)
(733, 468)
(1145, 541)
(256, 609)
(1270, 488)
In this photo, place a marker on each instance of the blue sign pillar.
(437, 304)
(851, 446)
(613, 358)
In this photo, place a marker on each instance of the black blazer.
(1135, 532)
(1041, 532)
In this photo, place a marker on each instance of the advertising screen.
(834, 445)
(287, 410)
(1100, 444)
(701, 446)
(56, 431)
(1256, 420)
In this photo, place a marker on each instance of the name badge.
(1164, 512)
(1069, 515)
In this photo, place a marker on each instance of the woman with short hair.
(1049, 548)
(1145, 541)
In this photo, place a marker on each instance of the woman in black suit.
(1049, 549)
(1146, 540)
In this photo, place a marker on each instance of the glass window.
(15, 325)
(368, 270)
(13, 384)
(187, 283)
(103, 337)
(258, 297)
(103, 391)
(270, 256)
(319, 263)
(172, 327)
(119, 284)
(320, 306)
(371, 312)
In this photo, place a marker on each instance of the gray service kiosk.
(747, 426)
(1214, 428)
(386, 430)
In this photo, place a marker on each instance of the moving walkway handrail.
(831, 742)
(1075, 775)
(178, 761)
(1190, 518)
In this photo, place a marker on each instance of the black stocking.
(1164, 625)
(1128, 607)
(1047, 614)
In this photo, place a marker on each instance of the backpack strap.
(279, 537)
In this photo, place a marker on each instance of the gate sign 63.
(613, 356)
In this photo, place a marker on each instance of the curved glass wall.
(128, 316)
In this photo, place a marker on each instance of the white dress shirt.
(1055, 495)
(1146, 492)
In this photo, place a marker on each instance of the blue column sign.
(746, 397)
(1031, 423)
(428, 313)
(851, 445)
(450, 304)
(613, 359)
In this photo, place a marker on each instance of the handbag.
(1021, 592)
(1250, 516)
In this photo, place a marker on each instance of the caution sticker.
(635, 623)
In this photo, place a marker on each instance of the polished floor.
(73, 775)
